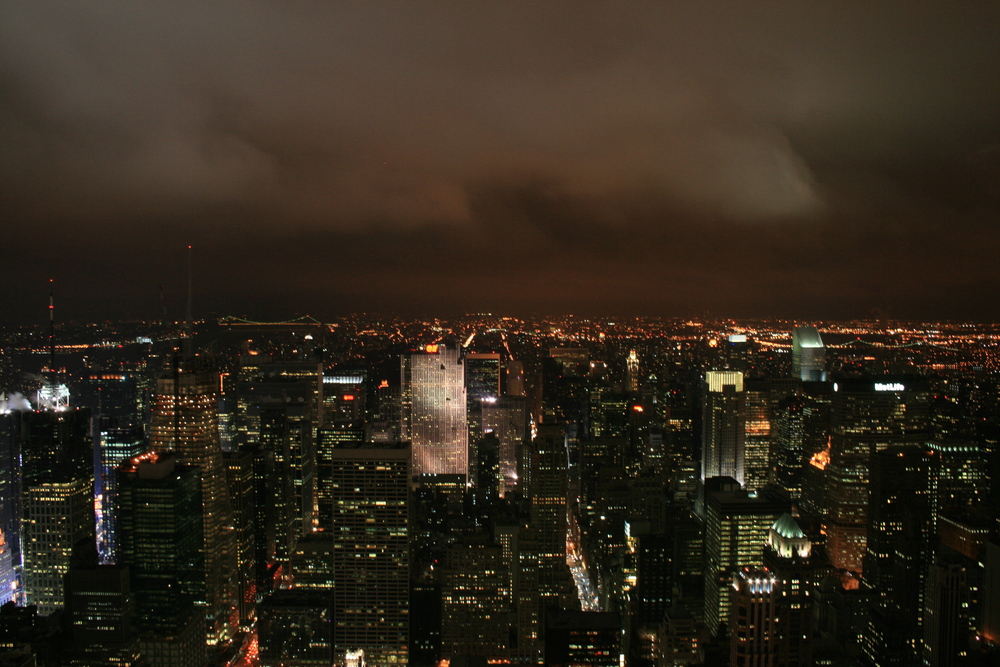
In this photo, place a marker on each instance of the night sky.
(674, 158)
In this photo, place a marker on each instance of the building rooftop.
(788, 528)
(807, 337)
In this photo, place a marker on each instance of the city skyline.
(570, 524)
(661, 158)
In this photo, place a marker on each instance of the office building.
(185, 420)
(476, 601)
(808, 355)
(946, 614)
(632, 376)
(243, 496)
(434, 411)
(116, 445)
(100, 611)
(482, 387)
(508, 419)
(513, 375)
(161, 540)
(736, 528)
(295, 628)
(548, 492)
(56, 516)
(370, 535)
(757, 434)
(867, 417)
(753, 637)
(722, 426)
(788, 558)
(279, 416)
(679, 642)
(583, 638)
(902, 525)
(788, 446)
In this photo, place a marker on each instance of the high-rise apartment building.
(434, 411)
(723, 434)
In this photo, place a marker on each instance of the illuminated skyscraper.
(371, 572)
(514, 378)
(808, 355)
(11, 425)
(116, 445)
(736, 528)
(476, 601)
(482, 388)
(100, 611)
(723, 429)
(753, 638)
(757, 431)
(434, 411)
(548, 491)
(507, 417)
(57, 514)
(185, 420)
(242, 492)
(56, 494)
(902, 525)
(632, 373)
(788, 447)
(787, 556)
(160, 539)
(867, 417)
(277, 419)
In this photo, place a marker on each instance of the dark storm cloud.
(680, 154)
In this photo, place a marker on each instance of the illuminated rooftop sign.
(889, 386)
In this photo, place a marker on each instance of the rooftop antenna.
(163, 306)
(188, 352)
(52, 327)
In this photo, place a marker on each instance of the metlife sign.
(889, 386)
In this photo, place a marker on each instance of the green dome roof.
(787, 527)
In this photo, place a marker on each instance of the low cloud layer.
(553, 156)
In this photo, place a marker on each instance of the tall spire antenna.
(189, 342)
(52, 326)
